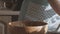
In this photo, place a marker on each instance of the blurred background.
(10, 11)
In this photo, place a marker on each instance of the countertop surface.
(9, 12)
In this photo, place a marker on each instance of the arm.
(55, 4)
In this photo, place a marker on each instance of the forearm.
(55, 4)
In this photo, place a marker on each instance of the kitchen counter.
(9, 12)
